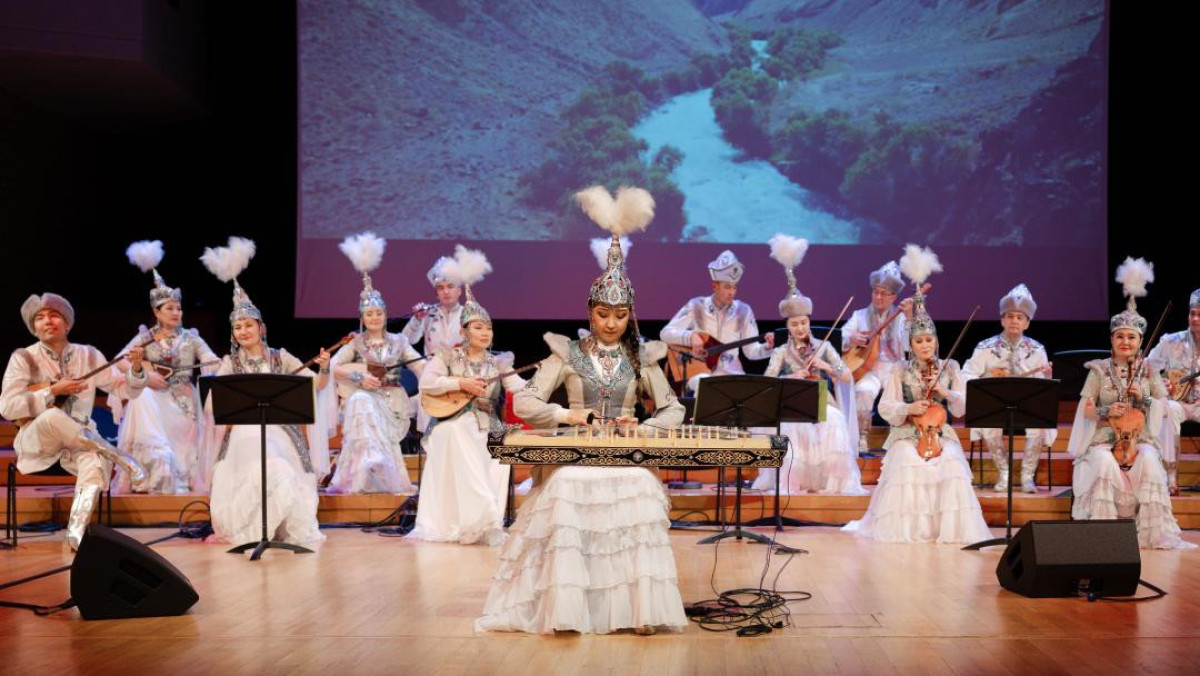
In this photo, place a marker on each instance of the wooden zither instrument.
(639, 446)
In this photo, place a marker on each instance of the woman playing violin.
(822, 457)
(924, 492)
(1118, 468)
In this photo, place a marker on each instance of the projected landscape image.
(965, 122)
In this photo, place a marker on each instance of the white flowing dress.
(590, 550)
(463, 489)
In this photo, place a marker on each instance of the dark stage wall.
(75, 192)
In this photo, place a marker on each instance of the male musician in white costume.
(886, 284)
(1179, 355)
(721, 316)
(1012, 353)
(63, 434)
(438, 326)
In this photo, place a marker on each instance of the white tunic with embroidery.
(734, 322)
(39, 364)
(1016, 359)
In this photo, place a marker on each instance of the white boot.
(1000, 460)
(81, 513)
(864, 429)
(1029, 465)
(92, 441)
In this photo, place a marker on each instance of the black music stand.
(1070, 370)
(800, 401)
(1011, 403)
(737, 401)
(262, 399)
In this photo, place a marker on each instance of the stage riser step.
(692, 504)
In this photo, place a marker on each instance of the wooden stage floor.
(374, 605)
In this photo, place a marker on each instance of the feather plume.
(918, 264)
(630, 212)
(468, 266)
(1133, 275)
(600, 249)
(788, 250)
(365, 250)
(145, 254)
(227, 262)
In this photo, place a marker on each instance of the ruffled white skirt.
(923, 500)
(463, 489)
(370, 460)
(589, 552)
(164, 441)
(819, 458)
(236, 503)
(1103, 491)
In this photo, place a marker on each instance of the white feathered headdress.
(227, 262)
(1133, 275)
(146, 255)
(918, 264)
(631, 211)
(365, 251)
(789, 251)
(469, 266)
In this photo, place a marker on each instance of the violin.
(929, 424)
(1128, 427)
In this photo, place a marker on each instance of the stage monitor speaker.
(1066, 558)
(114, 576)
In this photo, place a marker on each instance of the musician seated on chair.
(1177, 356)
(1012, 353)
(47, 394)
(375, 407)
(879, 356)
(708, 322)
(1118, 473)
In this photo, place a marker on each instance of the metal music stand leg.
(266, 542)
(737, 531)
(1008, 510)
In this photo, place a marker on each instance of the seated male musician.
(886, 283)
(1012, 353)
(719, 318)
(1177, 355)
(55, 418)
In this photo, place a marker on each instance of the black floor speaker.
(1066, 558)
(114, 576)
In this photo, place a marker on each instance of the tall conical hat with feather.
(630, 211)
(146, 255)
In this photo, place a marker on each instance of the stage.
(370, 604)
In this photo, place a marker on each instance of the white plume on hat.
(365, 250)
(227, 262)
(146, 254)
(631, 211)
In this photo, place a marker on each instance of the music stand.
(800, 401)
(737, 401)
(1070, 370)
(1011, 403)
(262, 399)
